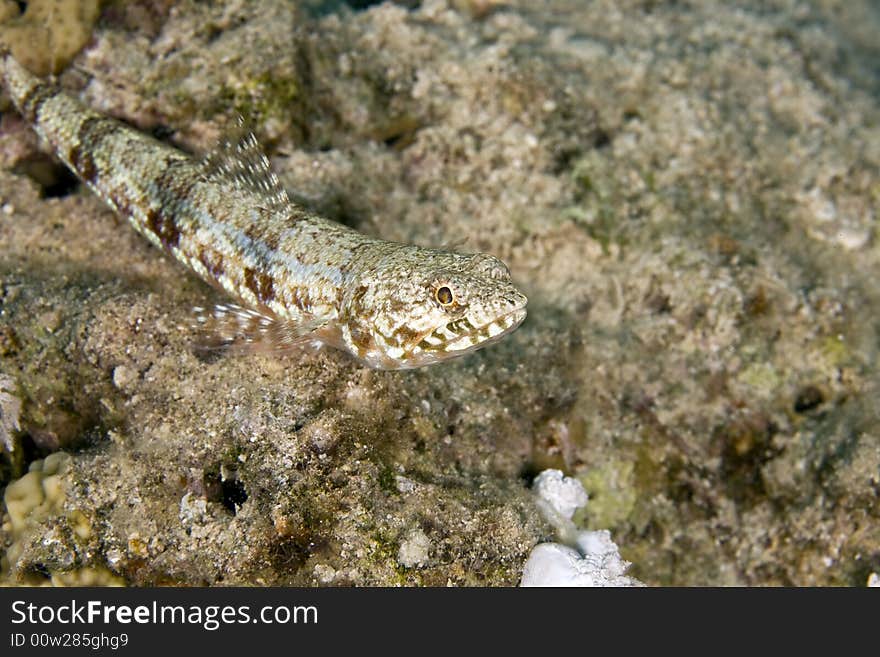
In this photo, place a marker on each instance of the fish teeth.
(446, 333)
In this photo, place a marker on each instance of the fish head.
(422, 306)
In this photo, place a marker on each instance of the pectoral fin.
(230, 327)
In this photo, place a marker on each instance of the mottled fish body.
(297, 278)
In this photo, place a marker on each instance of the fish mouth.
(461, 335)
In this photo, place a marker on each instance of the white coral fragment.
(588, 558)
(596, 562)
(10, 413)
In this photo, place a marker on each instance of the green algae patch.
(266, 96)
(612, 492)
(836, 351)
(762, 377)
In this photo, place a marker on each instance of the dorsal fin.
(239, 160)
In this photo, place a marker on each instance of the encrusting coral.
(49, 33)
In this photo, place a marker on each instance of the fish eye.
(444, 295)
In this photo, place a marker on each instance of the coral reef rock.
(688, 193)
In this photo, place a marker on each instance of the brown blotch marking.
(267, 288)
(213, 262)
(261, 284)
(250, 281)
(300, 298)
(82, 160)
(396, 305)
(123, 206)
(258, 233)
(362, 340)
(33, 100)
(174, 186)
(406, 336)
(358, 295)
(89, 135)
(163, 227)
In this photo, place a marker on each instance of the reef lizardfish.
(297, 278)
